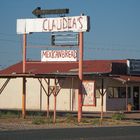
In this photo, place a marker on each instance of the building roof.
(89, 66)
(116, 68)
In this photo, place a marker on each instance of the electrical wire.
(111, 46)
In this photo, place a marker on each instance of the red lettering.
(49, 25)
(53, 54)
(75, 54)
(65, 23)
(53, 25)
(59, 24)
(80, 21)
(49, 54)
(44, 25)
(74, 25)
(69, 23)
(63, 54)
(60, 54)
(46, 54)
(67, 53)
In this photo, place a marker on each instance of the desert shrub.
(118, 116)
(70, 118)
(38, 121)
(9, 114)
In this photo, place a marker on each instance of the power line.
(113, 49)
(87, 45)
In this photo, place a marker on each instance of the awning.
(127, 78)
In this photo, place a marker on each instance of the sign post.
(24, 79)
(24, 52)
(80, 76)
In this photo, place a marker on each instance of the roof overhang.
(127, 79)
(52, 75)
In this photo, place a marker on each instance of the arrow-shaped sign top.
(38, 12)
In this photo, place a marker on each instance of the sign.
(63, 39)
(59, 55)
(61, 24)
(38, 11)
(88, 90)
(133, 66)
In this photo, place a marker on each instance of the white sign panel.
(59, 55)
(88, 91)
(75, 24)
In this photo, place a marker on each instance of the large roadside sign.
(61, 24)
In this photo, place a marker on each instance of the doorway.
(136, 98)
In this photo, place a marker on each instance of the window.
(110, 92)
(116, 93)
(122, 92)
(119, 92)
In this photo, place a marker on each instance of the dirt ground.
(37, 122)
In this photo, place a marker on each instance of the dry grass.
(15, 122)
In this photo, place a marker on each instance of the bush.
(96, 121)
(118, 116)
(38, 121)
(11, 114)
(70, 118)
(41, 120)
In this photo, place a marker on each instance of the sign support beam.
(102, 99)
(24, 78)
(48, 99)
(80, 76)
(55, 94)
(24, 52)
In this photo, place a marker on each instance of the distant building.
(118, 80)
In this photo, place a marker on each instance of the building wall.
(115, 103)
(120, 103)
(36, 99)
(67, 99)
(11, 96)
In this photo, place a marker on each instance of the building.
(116, 83)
